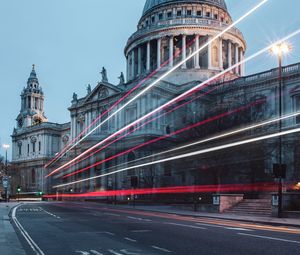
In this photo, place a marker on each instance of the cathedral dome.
(151, 4)
(171, 30)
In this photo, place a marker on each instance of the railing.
(183, 21)
(287, 70)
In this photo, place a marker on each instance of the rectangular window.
(189, 13)
(153, 19)
(169, 14)
(20, 150)
(216, 16)
(28, 149)
(208, 14)
(33, 147)
(199, 13)
(160, 16)
(178, 13)
(297, 108)
(40, 146)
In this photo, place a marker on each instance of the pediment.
(102, 91)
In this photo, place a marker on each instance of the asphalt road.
(92, 229)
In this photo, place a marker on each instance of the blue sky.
(69, 42)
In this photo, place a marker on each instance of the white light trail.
(169, 72)
(234, 132)
(174, 100)
(190, 154)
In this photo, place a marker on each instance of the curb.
(220, 217)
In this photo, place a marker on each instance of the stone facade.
(168, 27)
(35, 140)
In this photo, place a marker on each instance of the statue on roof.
(89, 89)
(121, 78)
(104, 75)
(75, 97)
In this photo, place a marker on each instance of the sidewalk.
(9, 242)
(253, 219)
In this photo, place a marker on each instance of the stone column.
(139, 60)
(148, 56)
(229, 54)
(221, 54)
(236, 58)
(158, 52)
(127, 70)
(209, 54)
(241, 59)
(171, 51)
(197, 66)
(132, 64)
(183, 51)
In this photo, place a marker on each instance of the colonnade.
(149, 55)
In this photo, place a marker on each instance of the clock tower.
(32, 103)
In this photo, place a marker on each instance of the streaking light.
(174, 100)
(191, 154)
(268, 187)
(170, 71)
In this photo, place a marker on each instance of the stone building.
(169, 31)
(35, 140)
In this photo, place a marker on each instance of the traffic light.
(18, 189)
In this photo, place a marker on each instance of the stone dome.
(151, 4)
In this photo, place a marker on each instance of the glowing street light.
(279, 169)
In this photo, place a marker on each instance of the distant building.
(35, 140)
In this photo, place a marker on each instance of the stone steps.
(260, 207)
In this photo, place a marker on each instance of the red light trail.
(252, 10)
(166, 136)
(267, 187)
(172, 101)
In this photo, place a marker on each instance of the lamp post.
(279, 169)
(6, 147)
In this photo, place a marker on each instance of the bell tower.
(32, 103)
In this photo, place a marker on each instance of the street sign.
(5, 183)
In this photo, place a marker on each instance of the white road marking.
(136, 218)
(131, 252)
(239, 229)
(83, 252)
(53, 215)
(129, 239)
(184, 225)
(112, 214)
(114, 252)
(141, 231)
(27, 237)
(161, 249)
(96, 252)
(271, 238)
(106, 232)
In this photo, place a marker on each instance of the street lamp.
(280, 50)
(6, 147)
